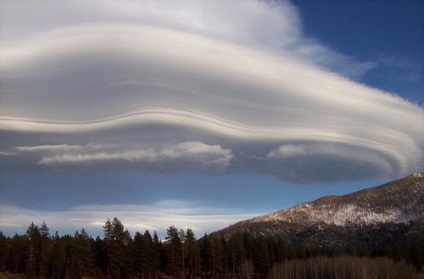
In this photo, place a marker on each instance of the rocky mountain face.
(390, 213)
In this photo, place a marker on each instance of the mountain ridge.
(380, 204)
(395, 203)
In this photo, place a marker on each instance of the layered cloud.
(196, 156)
(153, 217)
(192, 93)
(273, 25)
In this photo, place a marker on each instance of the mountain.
(399, 201)
(392, 212)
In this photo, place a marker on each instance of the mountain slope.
(399, 201)
(395, 206)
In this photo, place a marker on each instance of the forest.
(40, 254)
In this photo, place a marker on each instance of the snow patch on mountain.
(340, 216)
(418, 174)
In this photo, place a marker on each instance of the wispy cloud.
(324, 56)
(166, 157)
(402, 68)
(157, 216)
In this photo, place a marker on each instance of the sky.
(198, 114)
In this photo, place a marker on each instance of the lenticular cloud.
(157, 99)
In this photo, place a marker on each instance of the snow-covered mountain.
(396, 208)
(399, 201)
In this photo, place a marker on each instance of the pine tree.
(261, 256)
(156, 253)
(174, 246)
(144, 256)
(82, 255)
(100, 254)
(139, 256)
(238, 256)
(3, 251)
(57, 258)
(117, 240)
(218, 255)
(182, 235)
(151, 255)
(206, 255)
(33, 236)
(43, 264)
(192, 254)
(18, 254)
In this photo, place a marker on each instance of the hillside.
(389, 213)
(399, 201)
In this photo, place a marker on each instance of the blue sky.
(202, 113)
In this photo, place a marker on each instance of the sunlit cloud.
(192, 154)
(197, 91)
(286, 151)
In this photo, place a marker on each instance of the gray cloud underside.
(121, 96)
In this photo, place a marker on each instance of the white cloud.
(266, 24)
(54, 148)
(286, 151)
(163, 156)
(181, 93)
(320, 54)
(251, 21)
(153, 217)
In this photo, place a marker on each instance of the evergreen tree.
(218, 255)
(182, 235)
(192, 254)
(156, 253)
(43, 264)
(117, 240)
(3, 251)
(145, 257)
(174, 245)
(82, 255)
(262, 257)
(206, 255)
(57, 258)
(33, 235)
(151, 255)
(100, 254)
(18, 253)
(238, 255)
(138, 252)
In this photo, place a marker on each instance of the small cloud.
(163, 156)
(397, 62)
(286, 151)
(50, 148)
(401, 68)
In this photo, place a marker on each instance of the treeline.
(343, 267)
(38, 254)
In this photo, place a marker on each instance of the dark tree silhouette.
(389, 251)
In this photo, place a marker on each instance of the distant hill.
(390, 213)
